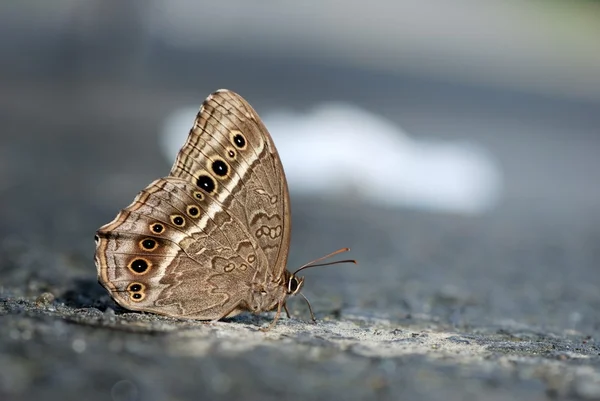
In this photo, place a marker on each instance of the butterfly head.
(294, 284)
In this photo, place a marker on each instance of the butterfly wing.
(193, 244)
(228, 130)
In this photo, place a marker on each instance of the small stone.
(44, 299)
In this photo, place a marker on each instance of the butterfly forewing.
(227, 129)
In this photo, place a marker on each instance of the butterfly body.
(211, 239)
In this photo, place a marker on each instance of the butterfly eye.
(293, 284)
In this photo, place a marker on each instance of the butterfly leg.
(265, 329)
(312, 315)
(287, 312)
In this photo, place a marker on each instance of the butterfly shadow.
(87, 293)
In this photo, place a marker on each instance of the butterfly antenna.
(315, 264)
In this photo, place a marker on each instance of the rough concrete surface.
(441, 307)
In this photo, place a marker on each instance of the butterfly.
(210, 240)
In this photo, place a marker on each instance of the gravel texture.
(497, 307)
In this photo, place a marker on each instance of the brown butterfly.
(210, 240)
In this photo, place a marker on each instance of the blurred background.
(405, 127)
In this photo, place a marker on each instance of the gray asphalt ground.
(503, 306)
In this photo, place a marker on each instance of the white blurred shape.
(341, 150)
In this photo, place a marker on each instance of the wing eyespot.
(193, 211)
(238, 139)
(220, 167)
(148, 244)
(137, 291)
(136, 287)
(207, 183)
(157, 228)
(139, 266)
(177, 220)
